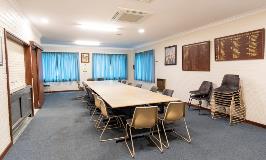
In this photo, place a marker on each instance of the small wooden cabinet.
(160, 84)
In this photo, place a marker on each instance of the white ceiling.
(168, 17)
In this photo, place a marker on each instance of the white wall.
(252, 72)
(13, 20)
(85, 68)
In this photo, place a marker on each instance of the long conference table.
(119, 95)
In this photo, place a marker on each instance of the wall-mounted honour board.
(196, 57)
(242, 46)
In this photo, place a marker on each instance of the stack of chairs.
(227, 100)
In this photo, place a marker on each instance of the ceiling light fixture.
(100, 27)
(141, 30)
(87, 43)
(44, 20)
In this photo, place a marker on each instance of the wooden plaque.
(196, 57)
(242, 46)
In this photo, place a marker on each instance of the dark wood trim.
(2, 155)
(15, 39)
(35, 45)
(62, 91)
(255, 124)
(246, 121)
(8, 86)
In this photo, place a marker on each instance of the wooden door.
(34, 80)
(40, 77)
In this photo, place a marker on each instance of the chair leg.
(166, 138)
(93, 113)
(104, 129)
(132, 152)
(189, 102)
(98, 122)
(188, 138)
(159, 140)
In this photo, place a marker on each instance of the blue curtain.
(109, 66)
(60, 66)
(144, 66)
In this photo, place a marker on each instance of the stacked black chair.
(203, 93)
(227, 100)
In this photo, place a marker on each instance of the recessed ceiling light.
(100, 27)
(87, 43)
(141, 30)
(44, 20)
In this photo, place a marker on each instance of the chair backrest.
(103, 108)
(96, 101)
(145, 117)
(168, 92)
(205, 87)
(138, 85)
(129, 83)
(231, 81)
(100, 79)
(89, 92)
(154, 89)
(174, 111)
(124, 81)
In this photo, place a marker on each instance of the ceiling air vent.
(129, 15)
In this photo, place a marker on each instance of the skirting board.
(247, 121)
(62, 91)
(2, 155)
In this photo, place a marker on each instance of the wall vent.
(129, 15)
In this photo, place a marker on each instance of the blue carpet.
(62, 131)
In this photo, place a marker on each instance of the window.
(109, 66)
(144, 66)
(60, 66)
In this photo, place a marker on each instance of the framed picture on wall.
(170, 55)
(85, 58)
(1, 50)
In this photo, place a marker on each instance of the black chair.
(100, 79)
(154, 89)
(229, 84)
(138, 85)
(203, 93)
(124, 81)
(168, 92)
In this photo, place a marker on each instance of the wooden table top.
(122, 95)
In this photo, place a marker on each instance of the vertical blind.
(60, 66)
(109, 66)
(144, 66)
